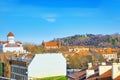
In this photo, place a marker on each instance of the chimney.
(103, 63)
(115, 70)
(89, 65)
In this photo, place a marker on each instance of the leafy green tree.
(114, 41)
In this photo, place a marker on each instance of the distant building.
(110, 56)
(49, 45)
(14, 66)
(11, 45)
(18, 70)
(108, 53)
(99, 72)
(81, 50)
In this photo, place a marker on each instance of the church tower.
(10, 38)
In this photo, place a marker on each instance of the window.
(119, 68)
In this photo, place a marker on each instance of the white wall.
(10, 39)
(110, 56)
(47, 65)
(104, 68)
(13, 49)
(115, 70)
(89, 73)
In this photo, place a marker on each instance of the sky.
(37, 20)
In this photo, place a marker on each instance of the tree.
(113, 42)
(97, 58)
(79, 61)
(33, 48)
(118, 53)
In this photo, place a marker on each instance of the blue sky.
(38, 20)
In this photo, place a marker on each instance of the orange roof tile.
(51, 44)
(10, 34)
(94, 67)
(30, 55)
(106, 76)
(3, 42)
(118, 78)
(17, 44)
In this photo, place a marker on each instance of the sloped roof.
(12, 45)
(118, 78)
(106, 76)
(94, 76)
(77, 75)
(51, 44)
(17, 44)
(3, 42)
(10, 34)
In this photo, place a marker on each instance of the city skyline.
(35, 20)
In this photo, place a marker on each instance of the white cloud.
(52, 20)
(50, 17)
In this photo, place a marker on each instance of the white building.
(47, 65)
(110, 56)
(11, 45)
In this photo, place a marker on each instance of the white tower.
(10, 38)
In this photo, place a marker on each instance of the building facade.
(11, 45)
(18, 70)
(47, 65)
(110, 56)
(33, 66)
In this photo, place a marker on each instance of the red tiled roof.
(51, 44)
(93, 77)
(77, 75)
(27, 56)
(12, 45)
(106, 51)
(118, 78)
(10, 34)
(3, 42)
(17, 44)
(106, 76)
(30, 55)
(94, 67)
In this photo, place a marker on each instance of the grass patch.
(53, 78)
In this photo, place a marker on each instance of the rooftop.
(51, 44)
(10, 34)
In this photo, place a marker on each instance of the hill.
(112, 40)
